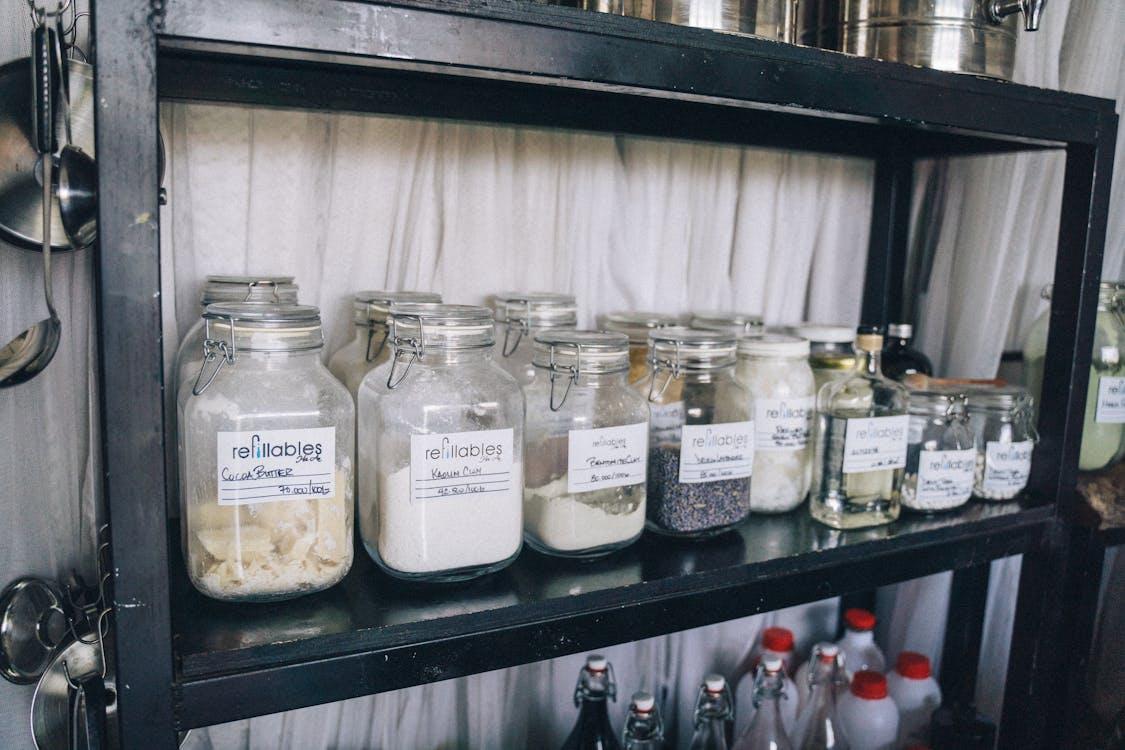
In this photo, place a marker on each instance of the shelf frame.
(522, 63)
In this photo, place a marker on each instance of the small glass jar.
(525, 317)
(441, 440)
(776, 370)
(701, 436)
(368, 348)
(740, 324)
(831, 351)
(586, 446)
(940, 452)
(265, 439)
(1001, 418)
(264, 290)
(1103, 427)
(636, 325)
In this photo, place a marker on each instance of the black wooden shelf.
(372, 633)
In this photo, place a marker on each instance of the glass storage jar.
(368, 348)
(636, 326)
(831, 354)
(1004, 436)
(266, 290)
(701, 436)
(525, 316)
(1103, 429)
(940, 453)
(740, 324)
(265, 439)
(585, 446)
(776, 370)
(441, 441)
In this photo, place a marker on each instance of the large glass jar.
(636, 325)
(776, 370)
(586, 446)
(940, 453)
(264, 290)
(831, 354)
(265, 438)
(701, 438)
(441, 441)
(368, 348)
(861, 439)
(1103, 429)
(740, 324)
(525, 317)
(1004, 436)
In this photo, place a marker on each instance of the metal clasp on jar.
(572, 372)
(401, 345)
(255, 284)
(521, 327)
(214, 349)
(673, 367)
(369, 356)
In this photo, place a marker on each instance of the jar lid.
(1002, 397)
(426, 324)
(371, 307)
(825, 333)
(257, 289)
(254, 315)
(691, 348)
(636, 325)
(939, 402)
(584, 351)
(538, 309)
(773, 345)
(742, 324)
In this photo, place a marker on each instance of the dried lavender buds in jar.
(692, 508)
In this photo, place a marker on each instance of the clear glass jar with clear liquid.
(524, 317)
(861, 442)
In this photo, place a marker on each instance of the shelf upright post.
(890, 231)
(1045, 632)
(131, 365)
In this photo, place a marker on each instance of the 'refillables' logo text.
(259, 447)
(451, 449)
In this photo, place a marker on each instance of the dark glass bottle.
(644, 729)
(899, 357)
(714, 715)
(595, 686)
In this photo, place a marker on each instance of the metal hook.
(382, 344)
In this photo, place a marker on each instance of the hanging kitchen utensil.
(78, 175)
(66, 707)
(32, 625)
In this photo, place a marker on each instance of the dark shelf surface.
(372, 633)
(528, 63)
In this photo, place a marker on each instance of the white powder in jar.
(440, 534)
(586, 520)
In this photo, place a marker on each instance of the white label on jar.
(1006, 466)
(265, 466)
(710, 452)
(452, 464)
(606, 457)
(945, 476)
(666, 421)
(782, 424)
(875, 444)
(1111, 400)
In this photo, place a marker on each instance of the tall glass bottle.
(644, 729)
(899, 357)
(861, 437)
(818, 725)
(766, 731)
(714, 715)
(595, 685)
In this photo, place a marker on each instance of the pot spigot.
(998, 10)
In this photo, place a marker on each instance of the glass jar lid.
(538, 309)
(774, 345)
(279, 290)
(678, 348)
(937, 402)
(1008, 398)
(370, 308)
(415, 327)
(821, 333)
(572, 354)
(741, 324)
(636, 325)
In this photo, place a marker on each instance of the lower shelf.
(371, 634)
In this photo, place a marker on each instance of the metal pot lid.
(51, 704)
(32, 624)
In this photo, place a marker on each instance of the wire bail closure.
(214, 349)
(571, 371)
(414, 346)
(255, 284)
(656, 364)
(369, 356)
(610, 684)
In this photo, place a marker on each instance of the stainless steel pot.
(774, 19)
(963, 36)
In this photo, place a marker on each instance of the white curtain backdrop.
(348, 202)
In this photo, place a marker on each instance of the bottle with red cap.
(774, 642)
(766, 730)
(867, 713)
(818, 725)
(714, 712)
(916, 693)
(595, 686)
(644, 729)
(858, 644)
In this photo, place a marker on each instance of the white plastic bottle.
(867, 713)
(858, 644)
(916, 693)
(775, 642)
